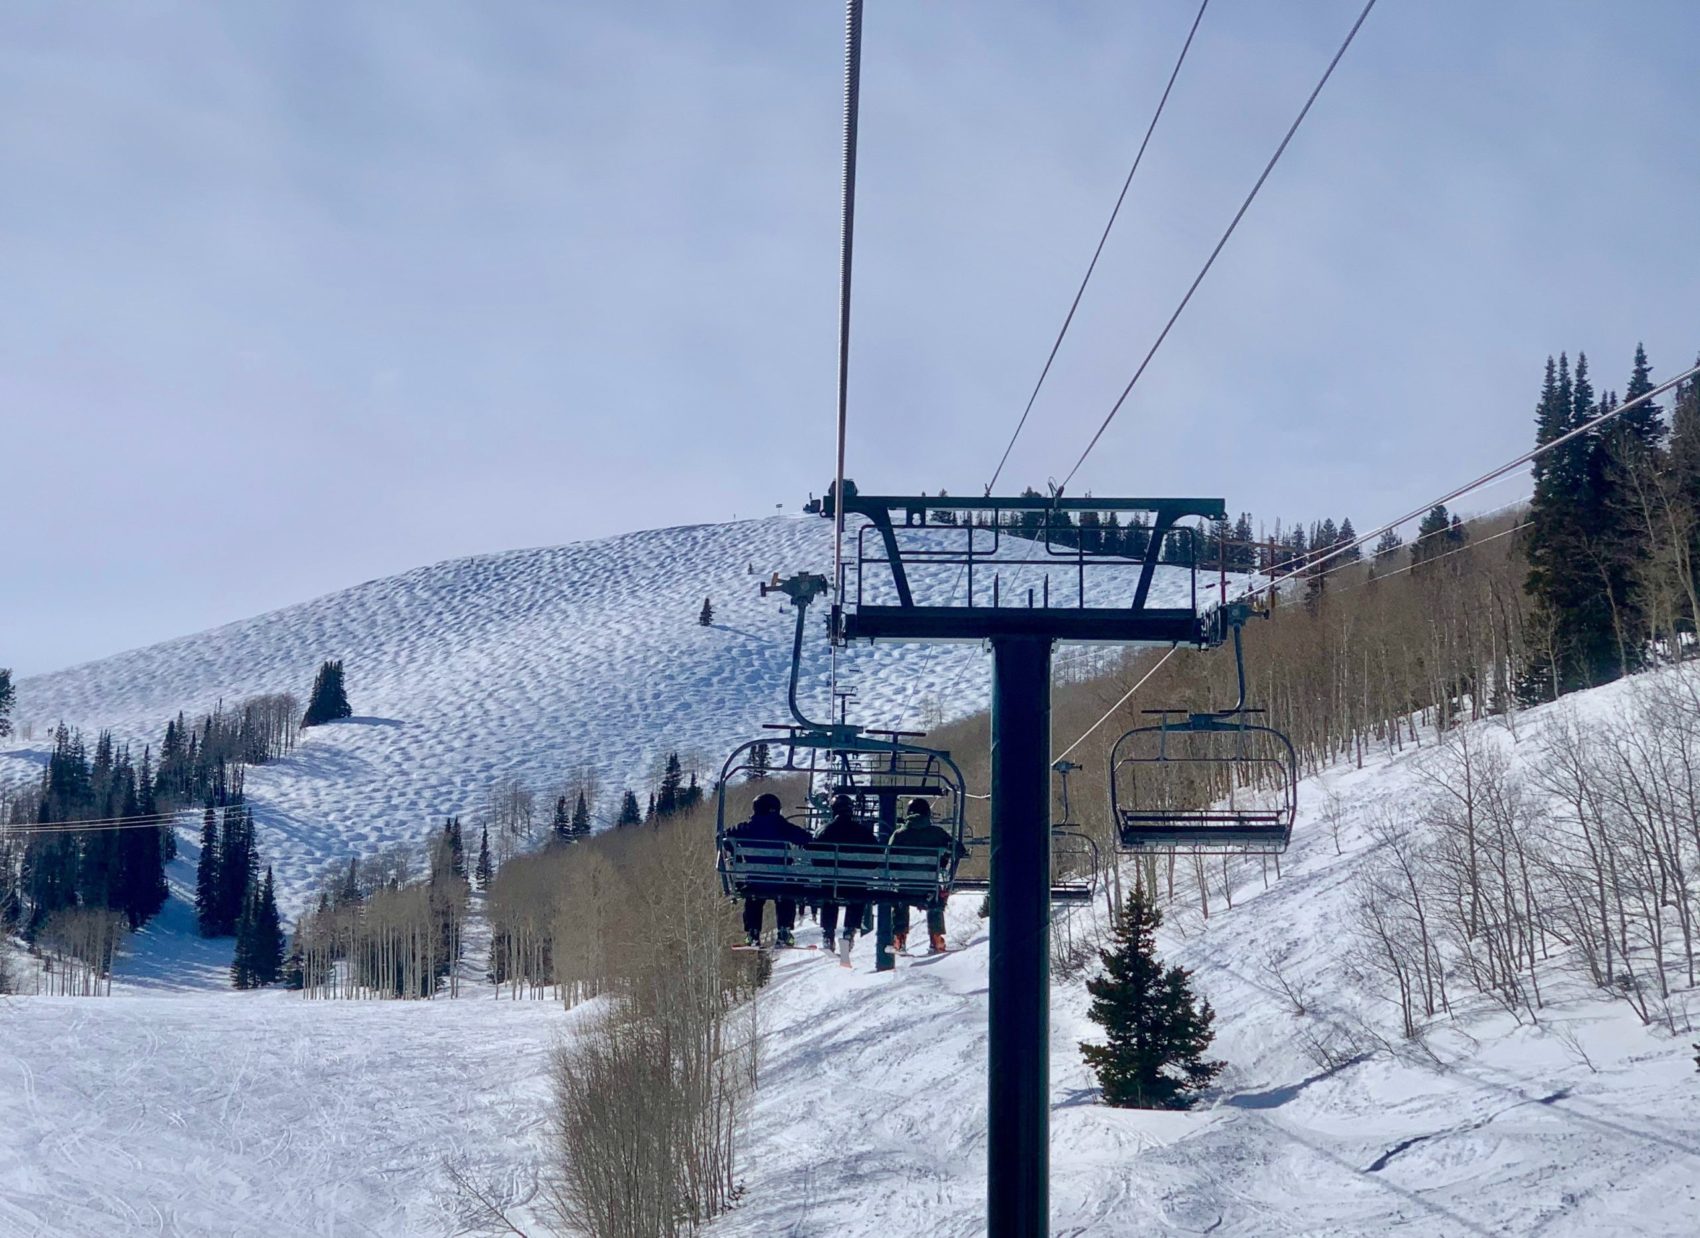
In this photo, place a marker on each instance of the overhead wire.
(1211, 260)
(1091, 266)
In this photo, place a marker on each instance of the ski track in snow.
(526, 666)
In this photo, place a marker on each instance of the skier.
(844, 829)
(919, 833)
(766, 825)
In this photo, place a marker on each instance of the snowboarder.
(766, 825)
(844, 829)
(920, 833)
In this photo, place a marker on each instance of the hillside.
(872, 1113)
(258, 1113)
(521, 667)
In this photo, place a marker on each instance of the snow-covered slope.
(872, 1114)
(260, 1114)
(522, 666)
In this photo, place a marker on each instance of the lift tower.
(1022, 574)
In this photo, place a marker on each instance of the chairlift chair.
(838, 759)
(1205, 782)
(1076, 864)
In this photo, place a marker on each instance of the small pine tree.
(8, 695)
(706, 615)
(1157, 1030)
(759, 763)
(630, 813)
(484, 870)
(329, 700)
(581, 818)
(561, 826)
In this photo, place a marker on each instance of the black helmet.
(920, 808)
(767, 802)
(843, 805)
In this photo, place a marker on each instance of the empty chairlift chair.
(1204, 783)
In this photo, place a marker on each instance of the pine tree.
(484, 870)
(1157, 1030)
(672, 786)
(329, 700)
(1439, 533)
(561, 826)
(630, 812)
(691, 796)
(207, 883)
(758, 762)
(1387, 547)
(1349, 535)
(266, 933)
(581, 818)
(706, 615)
(242, 973)
(8, 696)
(457, 850)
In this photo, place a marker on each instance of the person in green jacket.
(921, 833)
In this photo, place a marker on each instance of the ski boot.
(787, 940)
(829, 942)
(935, 944)
(844, 950)
(753, 940)
(900, 942)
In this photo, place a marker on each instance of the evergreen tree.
(242, 972)
(484, 870)
(581, 818)
(457, 850)
(672, 786)
(1387, 547)
(329, 700)
(1438, 534)
(691, 796)
(266, 933)
(207, 883)
(1157, 1030)
(8, 697)
(561, 825)
(349, 893)
(1347, 536)
(649, 814)
(706, 615)
(630, 812)
(758, 762)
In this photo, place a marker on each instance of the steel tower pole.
(1019, 1051)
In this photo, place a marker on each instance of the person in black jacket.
(919, 833)
(766, 825)
(847, 831)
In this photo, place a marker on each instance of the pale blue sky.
(297, 295)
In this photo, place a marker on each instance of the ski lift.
(874, 768)
(1206, 782)
(1076, 864)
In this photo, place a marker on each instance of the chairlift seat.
(839, 872)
